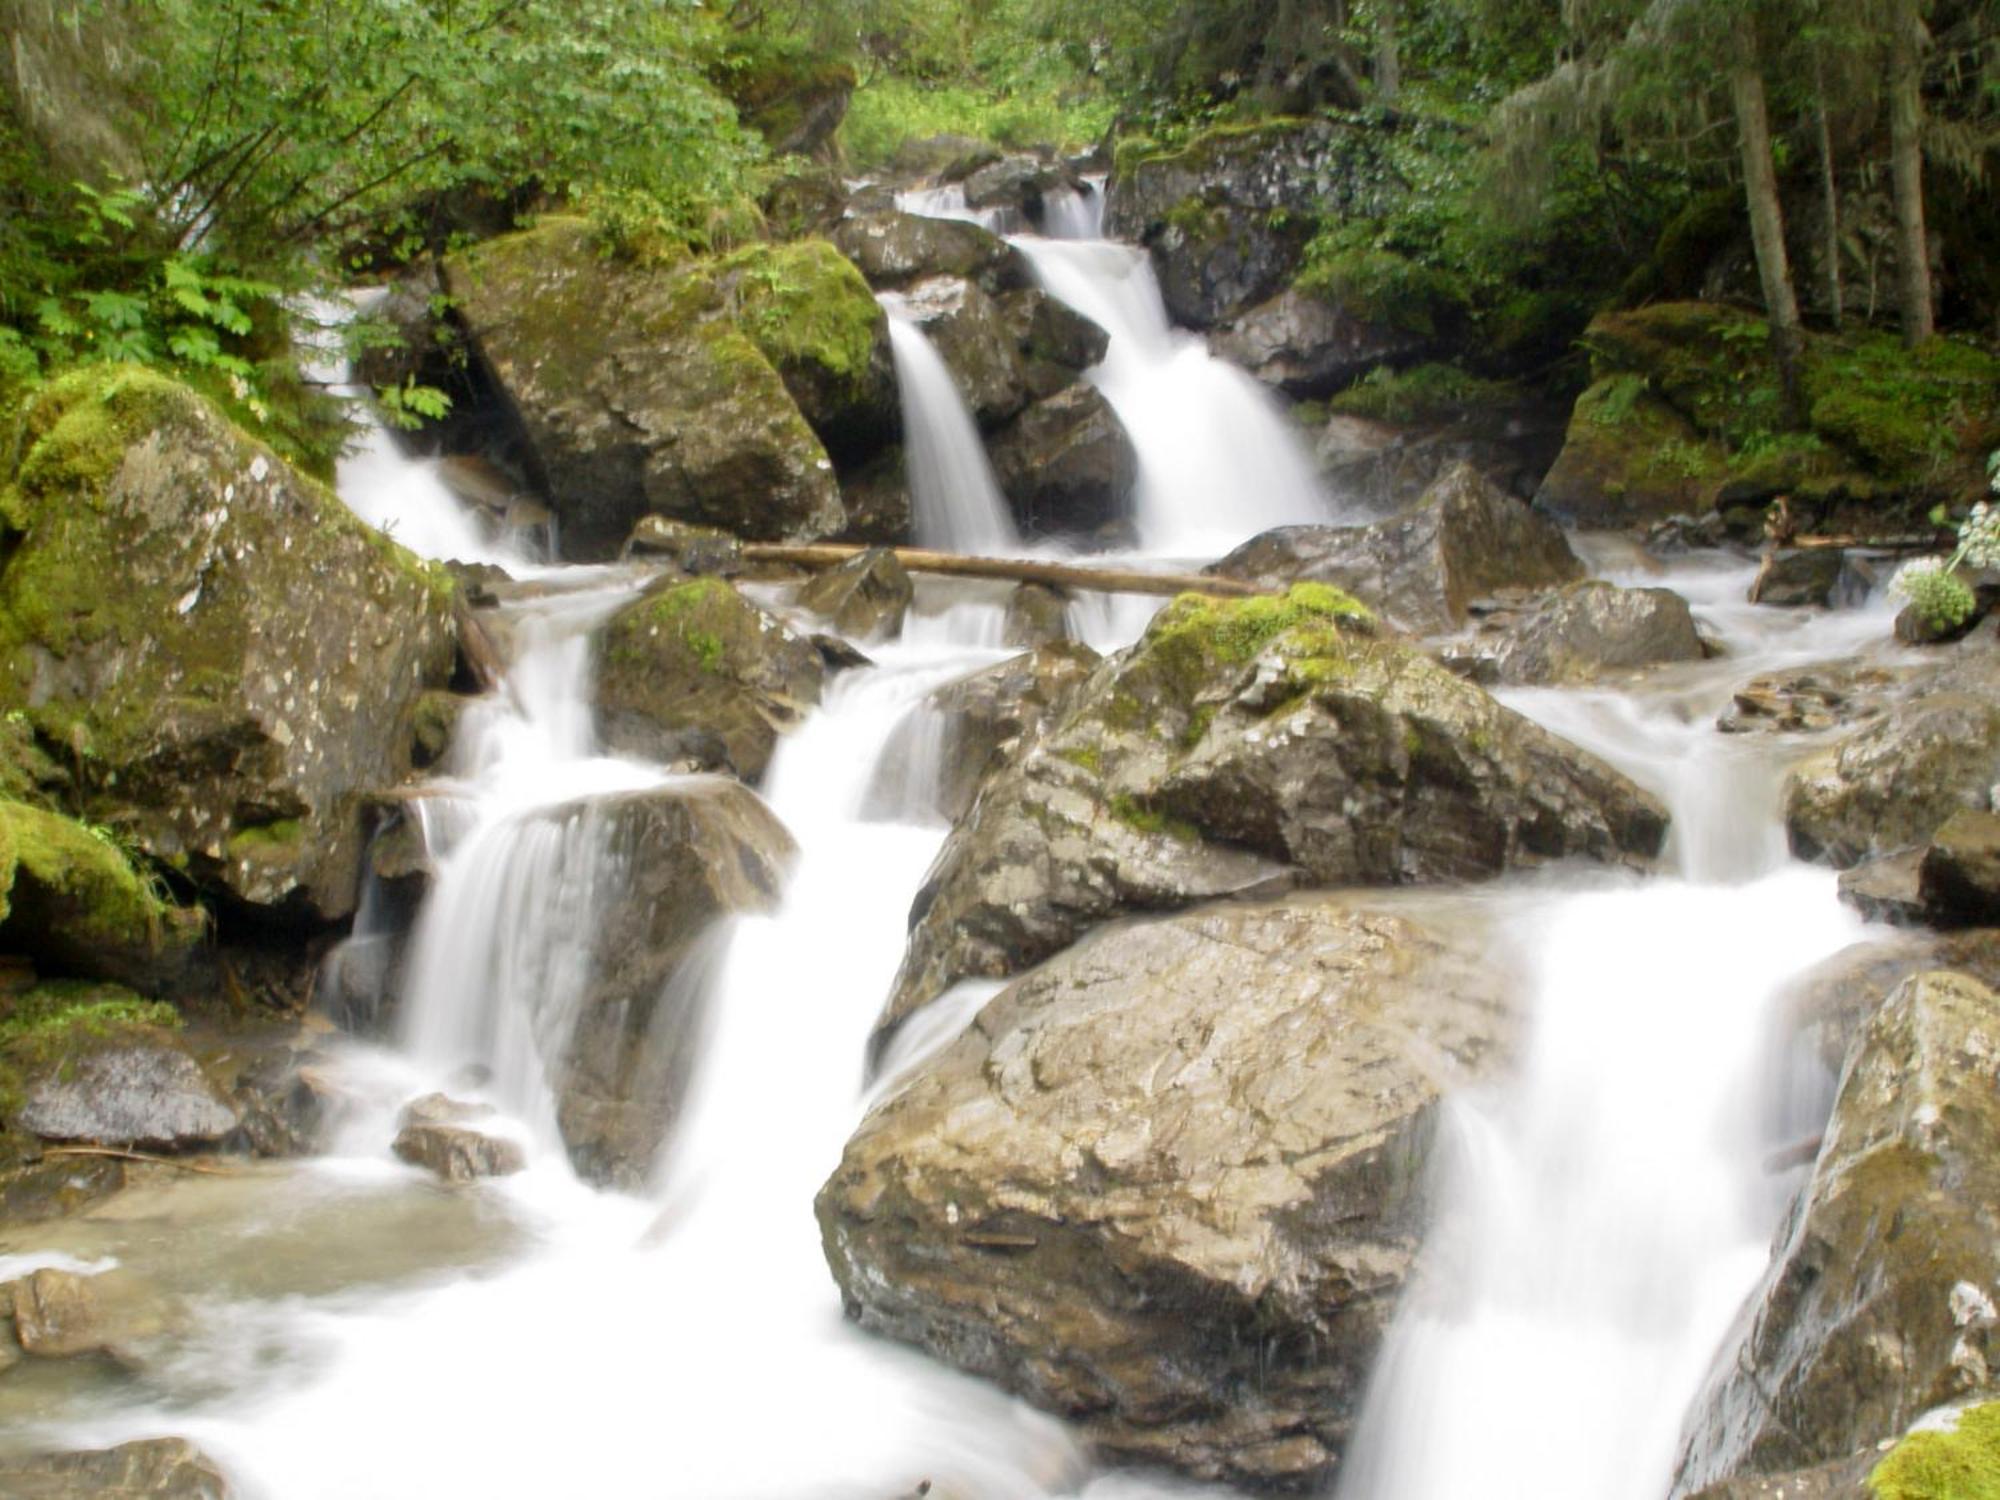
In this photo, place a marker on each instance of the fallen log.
(1015, 569)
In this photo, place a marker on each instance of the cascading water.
(1218, 460)
(955, 502)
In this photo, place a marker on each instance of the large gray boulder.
(1380, 467)
(686, 856)
(1244, 746)
(1308, 346)
(1066, 464)
(1893, 784)
(972, 337)
(1593, 629)
(1170, 1184)
(132, 1086)
(1878, 1304)
(638, 395)
(1463, 540)
(227, 657)
(896, 250)
(697, 673)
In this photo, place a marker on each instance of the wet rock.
(1381, 468)
(991, 714)
(1227, 216)
(1170, 1184)
(1798, 578)
(457, 1153)
(60, 1314)
(1593, 628)
(1462, 541)
(701, 551)
(1885, 889)
(1829, 1006)
(640, 395)
(1959, 879)
(1057, 343)
(54, 1188)
(877, 497)
(154, 1469)
(1893, 784)
(255, 669)
(865, 597)
(133, 1086)
(1066, 465)
(1307, 346)
(73, 901)
(698, 673)
(896, 250)
(1245, 746)
(1037, 615)
(972, 337)
(1877, 1306)
(1811, 699)
(433, 723)
(1842, 1479)
(685, 856)
(806, 201)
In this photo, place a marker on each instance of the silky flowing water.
(357, 1330)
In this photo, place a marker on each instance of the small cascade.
(500, 957)
(955, 501)
(403, 497)
(1075, 213)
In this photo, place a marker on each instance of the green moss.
(804, 303)
(1961, 1464)
(1422, 393)
(1089, 757)
(260, 840)
(1136, 815)
(43, 1027)
(100, 895)
(1133, 152)
(1384, 287)
(697, 617)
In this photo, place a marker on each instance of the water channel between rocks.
(358, 1331)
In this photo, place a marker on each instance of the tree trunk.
(1830, 195)
(1388, 59)
(1020, 570)
(1767, 221)
(1906, 172)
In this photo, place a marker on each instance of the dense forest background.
(173, 173)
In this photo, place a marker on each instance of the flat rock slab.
(148, 1094)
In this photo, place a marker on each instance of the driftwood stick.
(1018, 569)
(1935, 542)
(145, 1156)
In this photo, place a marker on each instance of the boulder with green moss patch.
(1171, 1183)
(254, 666)
(1248, 745)
(1306, 345)
(698, 674)
(72, 901)
(1227, 215)
(1878, 1304)
(639, 394)
(794, 99)
(1630, 457)
(1950, 1455)
(1462, 541)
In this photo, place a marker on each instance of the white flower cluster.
(1979, 534)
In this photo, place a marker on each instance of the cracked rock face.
(1170, 1183)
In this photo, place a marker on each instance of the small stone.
(154, 1469)
(458, 1154)
(58, 1314)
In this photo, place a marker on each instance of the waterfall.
(955, 501)
(1603, 1215)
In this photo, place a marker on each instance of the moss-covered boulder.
(1878, 1305)
(639, 394)
(1227, 215)
(223, 655)
(1171, 1183)
(1250, 745)
(72, 901)
(1462, 541)
(793, 99)
(806, 308)
(697, 673)
(1685, 415)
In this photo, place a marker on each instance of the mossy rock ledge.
(1248, 746)
(1877, 1306)
(675, 388)
(1171, 1183)
(223, 657)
